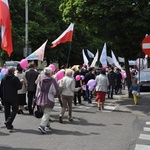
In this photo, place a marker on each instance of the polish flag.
(66, 36)
(5, 24)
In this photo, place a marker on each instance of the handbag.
(38, 111)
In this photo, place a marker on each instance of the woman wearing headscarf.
(47, 88)
(101, 88)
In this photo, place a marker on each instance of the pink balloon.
(52, 67)
(84, 87)
(105, 67)
(91, 82)
(23, 63)
(78, 77)
(82, 77)
(91, 88)
(4, 71)
(123, 75)
(59, 75)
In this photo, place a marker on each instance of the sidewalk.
(126, 104)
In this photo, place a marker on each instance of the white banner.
(115, 60)
(121, 59)
(109, 59)
(85, 60)
(94, 60)
(103, 57)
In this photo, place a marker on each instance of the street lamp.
(26, 29)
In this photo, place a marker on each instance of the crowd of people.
(19, 88)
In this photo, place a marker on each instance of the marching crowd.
(42, 88)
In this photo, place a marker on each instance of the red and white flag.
(5, 24)
(66, 36)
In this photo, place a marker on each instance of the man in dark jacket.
(118, 86)
(31, 75)
(10, 84)
(78, 83)
(90, 75)
(112, 82)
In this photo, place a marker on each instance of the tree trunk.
(128, 74)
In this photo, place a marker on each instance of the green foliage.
(45, 22)
(121, 23)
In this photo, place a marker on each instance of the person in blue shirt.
(135, 89)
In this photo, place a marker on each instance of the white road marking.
(109, 108)
(144, 137)
(146, 129)
(147, 123)
(142, 147)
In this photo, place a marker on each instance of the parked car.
(143, 78)
(11, 63)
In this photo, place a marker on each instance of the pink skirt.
(100, 95)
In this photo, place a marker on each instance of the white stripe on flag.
(146, 45)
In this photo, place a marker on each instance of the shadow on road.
(3, 134)
(10, 148)
(127, 105)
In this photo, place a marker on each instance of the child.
(135, 89)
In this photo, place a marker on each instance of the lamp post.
(26, 28)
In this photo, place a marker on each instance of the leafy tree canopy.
(122, 24)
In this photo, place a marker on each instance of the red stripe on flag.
(66, 38)
(6, 43)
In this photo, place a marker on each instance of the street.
(121, 126)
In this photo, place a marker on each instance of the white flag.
(115, 60)
(38, 54)
(85, 60)
(90, 54)
(132, 62)
(109, 59)
(103, 57)
(94, 60)
(140, 63)
(121, 59)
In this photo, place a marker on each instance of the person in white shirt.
(67, 83)
(101, 88)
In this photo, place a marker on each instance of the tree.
(122, 24)
(45, 22)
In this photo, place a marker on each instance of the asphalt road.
(121, 126)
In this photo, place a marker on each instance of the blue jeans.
(89, 95)
(111, 90)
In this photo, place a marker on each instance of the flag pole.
(68, 55)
